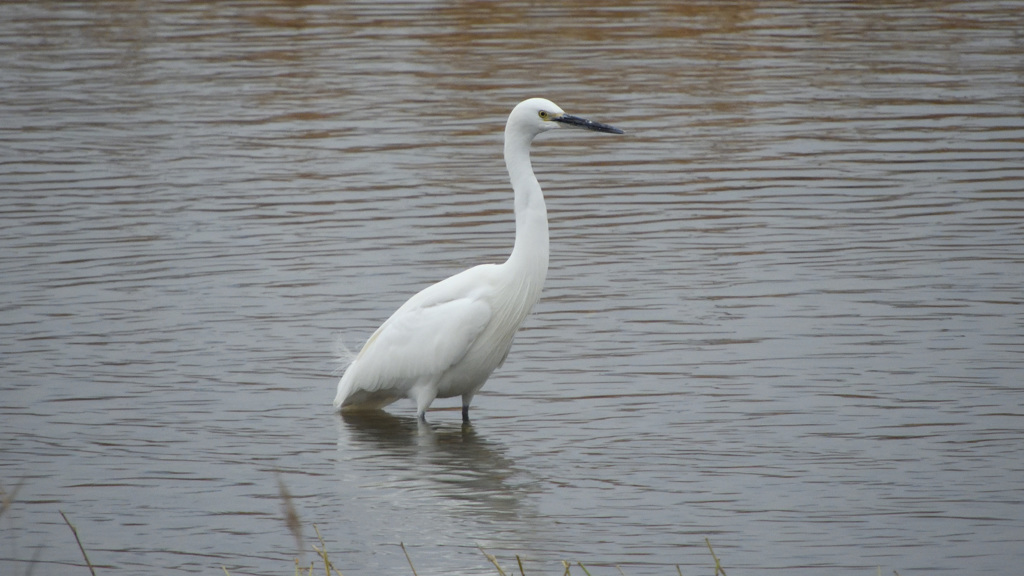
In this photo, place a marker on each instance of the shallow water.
(784, 311)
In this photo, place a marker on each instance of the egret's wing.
(431, 332)
(425, 341)
(415, 343)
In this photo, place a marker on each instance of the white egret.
(446, 340)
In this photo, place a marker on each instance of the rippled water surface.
(784, 311)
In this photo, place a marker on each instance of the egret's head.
(538, 115)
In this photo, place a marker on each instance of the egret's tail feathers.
(359, 400)
(362, 400)
(353, 397)
(343, 356)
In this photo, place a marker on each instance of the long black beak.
(577, 122)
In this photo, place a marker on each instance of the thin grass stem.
(77, 539)
(408, 559)
(492, 559)
(718, 565)
(322, 552)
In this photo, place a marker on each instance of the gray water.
(784, 311)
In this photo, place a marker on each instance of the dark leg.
(465, 413)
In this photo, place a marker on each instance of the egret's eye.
(544, 115)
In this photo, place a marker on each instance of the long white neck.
(529, 259)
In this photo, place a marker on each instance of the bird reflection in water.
(451, 464)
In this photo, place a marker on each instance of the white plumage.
(446, 340)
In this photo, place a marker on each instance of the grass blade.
(492, 559)
(718, 565)
(77, 539)
(402, 544)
